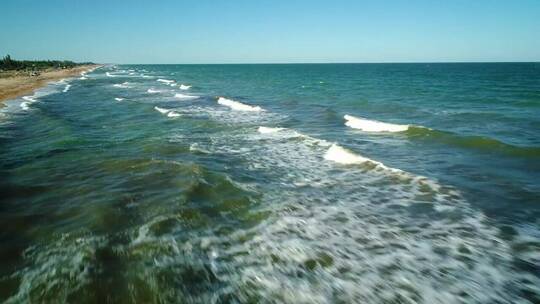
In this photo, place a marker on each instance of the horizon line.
(267, 63)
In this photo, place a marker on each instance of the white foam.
(238, 106)
(165, 81)
(109, 74)
(66, 88)
(83, 78)
(268, 130)
(152, 91)
(185, 87)
(373, 125)
(122, 85)
(162, 110)
(344, 156)
(183, 96)
(194, 147)
(118, 98)
(25, 105)
(29, 98)
(173, 114)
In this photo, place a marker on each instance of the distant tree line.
(10, 64)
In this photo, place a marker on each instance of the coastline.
(12, 87)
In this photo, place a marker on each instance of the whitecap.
(29, 98)
(121, 85)
(118, 98)
(194, 147)
(373, 125)
(152, 91)
(183, 96)
(267, 130)
(83, 78)
(109, 74)
(238, 106)
(162, 110)
(165, 81)
(185, 87)
(66, 88)
(343, 156)
(173, 114)
(25, 105)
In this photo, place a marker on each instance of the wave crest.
(373, 125)
(184, 96)
(238, 106)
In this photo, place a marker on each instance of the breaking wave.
(123, 85)
(373, 125)
(238, 106)
(183, 96)
(162, 110)
(167, 81)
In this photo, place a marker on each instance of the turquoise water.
(114, 188)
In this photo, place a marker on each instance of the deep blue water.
(137, 183)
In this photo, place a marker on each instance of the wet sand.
(13, 85)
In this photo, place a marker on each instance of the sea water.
(305, 183)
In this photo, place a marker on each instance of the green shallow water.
(158, 198)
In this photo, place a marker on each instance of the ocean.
(278, 183)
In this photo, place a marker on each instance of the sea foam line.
(373, 125)
(238, 106)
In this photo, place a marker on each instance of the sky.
(278, 31)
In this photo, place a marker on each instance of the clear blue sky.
(244, 31)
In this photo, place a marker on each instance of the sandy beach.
(14, 85)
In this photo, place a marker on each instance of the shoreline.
(12, 87)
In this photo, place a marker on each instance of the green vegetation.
(8, 64)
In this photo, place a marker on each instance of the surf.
(161, 110)
(373, 125)
(184, 96)
(123, 85)
(167, 81)
(238, 106)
